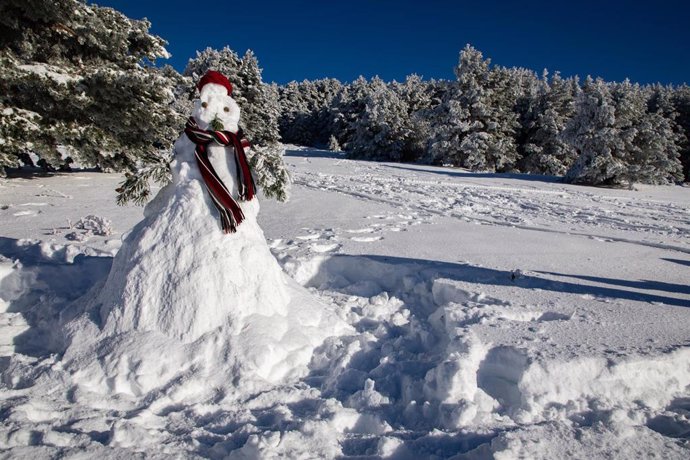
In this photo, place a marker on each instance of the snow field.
(565, 338)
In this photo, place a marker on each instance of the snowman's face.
(214, 103)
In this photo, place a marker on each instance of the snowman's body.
(195, 294)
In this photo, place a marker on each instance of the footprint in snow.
(313, 236)
(276, 244)
(25, 213)
(366, 239)
(324, 247)
(361, 230)
(553, 316)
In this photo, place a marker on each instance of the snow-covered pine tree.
(449, 123)
(347, 107)
(619, 140)
(593, 135)
(333, 145)
(295, 114)
(258, 102)
(260, 111)
(475, 125)
(306, 111)
(416, 95)
(155, 168)
(681, 103)
(261, 116)
(507, 85)
(439, 132)
(77, 87)
(650, 135)
(527, 107)
(382, 128)
(544, 150)
(225, 60)
(655, 152)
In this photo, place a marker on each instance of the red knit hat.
(215, 77)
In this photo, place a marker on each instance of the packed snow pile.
(182, 298)
(397, 311)
(186, 300)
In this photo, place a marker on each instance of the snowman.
(225, 173)
(194, 287)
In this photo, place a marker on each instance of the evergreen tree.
(306, 111)
(260, 107)
(416, 96)
(449, 123)
(333, 145)
(619, 140)
(381, 129)
(681, 103)
(347, 108)
(592, 133)
(507, 85)
(442, 121)
(476, 123)
(544, 150)
(77, 88)
(295, 121)
(257, 100)
(651, 135)
(527, 108)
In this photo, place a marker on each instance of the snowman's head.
(215, 103)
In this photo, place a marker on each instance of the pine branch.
(137, 185)
(269, 171)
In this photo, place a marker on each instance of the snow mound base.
(185, 304)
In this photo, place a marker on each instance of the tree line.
(79, 87)
(498, 119)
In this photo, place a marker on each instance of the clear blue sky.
(646, 41)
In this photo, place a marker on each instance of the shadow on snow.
(349, 268)
(480, 175)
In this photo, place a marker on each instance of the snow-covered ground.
(494, 316)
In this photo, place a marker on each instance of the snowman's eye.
(204, 104)
(227, 109)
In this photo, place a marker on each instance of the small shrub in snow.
(96, 225)
(333, 144)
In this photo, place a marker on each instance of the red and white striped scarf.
(231, 214)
